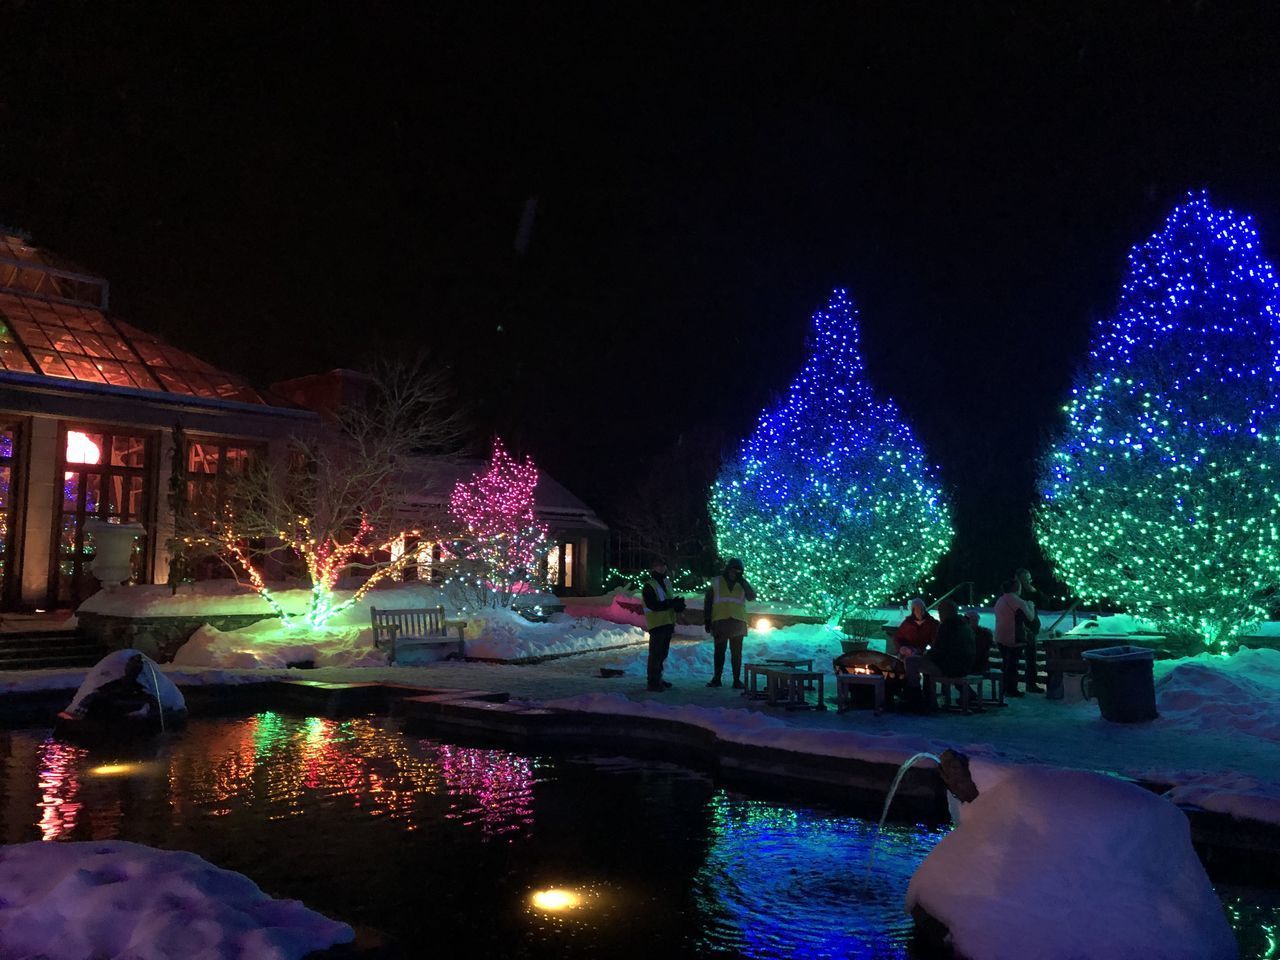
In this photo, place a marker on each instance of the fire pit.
(868, 679)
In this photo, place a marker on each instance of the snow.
(1119, 625)
(34, 681)
(1053, 864)
(69, 901)
(1237, 693)
(1237, 795)
(111, 667)
(504, 635)
(270, 645)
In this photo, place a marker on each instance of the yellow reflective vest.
(728, 604)
(658, 618)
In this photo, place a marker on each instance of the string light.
(501, 543)
(1162, 492)
(831, 502)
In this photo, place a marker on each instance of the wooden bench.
(419, 627)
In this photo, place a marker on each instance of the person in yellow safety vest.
(661, 607)
(725, 618)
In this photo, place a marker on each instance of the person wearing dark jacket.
(982, 641)
(661, 608)
(724, 616)
(952, 652)
(950, 655)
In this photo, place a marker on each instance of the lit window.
(568, 565)
(81, 449)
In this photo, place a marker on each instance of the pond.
(444, 848)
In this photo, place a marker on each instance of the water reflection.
(59, 785)
(285, 767)
(499, 784)
(783, 881)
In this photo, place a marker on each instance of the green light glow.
(831, 502)
(1162, 492)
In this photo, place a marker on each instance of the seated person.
(982, 641)
(122, 697)
(951, 654)
(915, 633)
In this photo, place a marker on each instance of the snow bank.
(505, 635)
(111, 667)
(69, 901)
(1060, 865)
(1235, 794)
(269, 645)
(1237, 693)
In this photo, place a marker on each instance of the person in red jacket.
(916, 632)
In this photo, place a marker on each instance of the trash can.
(1122, 680)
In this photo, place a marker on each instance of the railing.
(1070, 610)
(947, 595)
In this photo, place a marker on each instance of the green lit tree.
(831, 502)
(1162, 492)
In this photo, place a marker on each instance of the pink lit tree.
(500, 543)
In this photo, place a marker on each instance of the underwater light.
(115, 769)
(764, 625)
(556, 899)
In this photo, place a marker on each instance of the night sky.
(287, 189)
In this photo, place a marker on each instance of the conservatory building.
(101, 419)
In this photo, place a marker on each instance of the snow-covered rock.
(71, 901)
(1054, 864)
(111, 667)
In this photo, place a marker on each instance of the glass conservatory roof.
(53, 323)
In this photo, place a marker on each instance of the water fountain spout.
(893, 789)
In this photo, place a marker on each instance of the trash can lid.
(1112, 654)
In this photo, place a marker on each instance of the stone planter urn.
(113, 550)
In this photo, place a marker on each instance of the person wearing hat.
(661, 607)
(725, 618)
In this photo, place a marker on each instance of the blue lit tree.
(1162, 493)
(830, 501)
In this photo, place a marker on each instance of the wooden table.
(794, 665)
(845, 682)
(784, 683)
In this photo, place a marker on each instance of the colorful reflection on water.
(286, 767)
(59, 785)
(783, 881)
(505, 853)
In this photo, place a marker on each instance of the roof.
(53, 324)
(431, 481)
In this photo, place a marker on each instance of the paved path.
(1029, 729)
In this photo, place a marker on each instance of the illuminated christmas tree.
(501, 544)
(1162, 493)
(830, 502)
